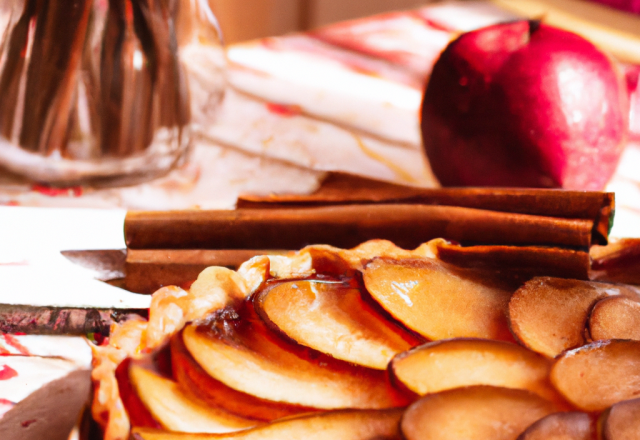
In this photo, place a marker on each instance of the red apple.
(524, 104)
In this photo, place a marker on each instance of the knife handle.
(60, 320)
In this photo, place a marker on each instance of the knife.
(147, 270)
(46, 310)
(139, 271)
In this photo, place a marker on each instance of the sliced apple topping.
(334, 425)
(332, 317)
(599, 375)
(312, 337)
(615, 318)
(138, 413)
(178, 412)
(621, 421)
(437, 301)
(573, 425)
(479, 412)
(549, 315)
(245, 356)
(443, 365)
(196, 383)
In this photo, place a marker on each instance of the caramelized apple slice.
(599, 375)
(615, 318)
(479, 412)
(439, 302)
(334, 425)
(561, 426)
(139, 414)
(245, 356)
(196, 383)
(454, 363)
(331, 317)
(178, 412)
(621, 421)
(549, 315)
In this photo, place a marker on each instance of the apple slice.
(615, 318)
(573, 425)
(332, 317)
(598, 375)
(334, 425)
(454, 363)
(178, 412)
(437, 301)
(139, 414)
(479, 412)
(196, 383)
(245, 356)
(621, 421)
(549, 315)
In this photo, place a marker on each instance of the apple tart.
(371, 342)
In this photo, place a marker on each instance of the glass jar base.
(105, 172)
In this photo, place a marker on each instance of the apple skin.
(523, 104)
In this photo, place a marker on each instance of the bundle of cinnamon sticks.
(528, 232)
(102, 75)
(520, 233)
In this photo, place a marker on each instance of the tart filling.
(359, 335)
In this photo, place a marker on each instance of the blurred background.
(248, 19)
(301, 103)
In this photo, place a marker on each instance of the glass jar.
(98, 91)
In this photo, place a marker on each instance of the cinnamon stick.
(341, 189)
(113, 63)
(126, 104)
(154, 26)
(522, 262)
(142, 83)
(148, 270)
(14, 68)
(346, 226)
(60, 32)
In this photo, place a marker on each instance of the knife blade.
(108, 264)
